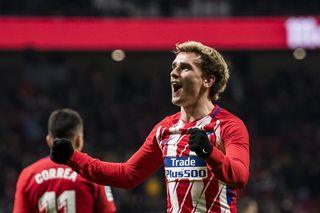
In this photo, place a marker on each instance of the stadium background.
(274, 90)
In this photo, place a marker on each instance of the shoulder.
(35, 166)
(171, 119)
(229, 121)
(28, 172)
(227, 116)
(165, 122)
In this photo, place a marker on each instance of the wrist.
(206, 151)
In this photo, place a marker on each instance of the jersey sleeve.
(104, 202)
(232, 165)
(124, 175)
(20, 201)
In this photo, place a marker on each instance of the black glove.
(61, 150)
(199, 143)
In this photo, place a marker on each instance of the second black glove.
(200, 143)
(61, 150)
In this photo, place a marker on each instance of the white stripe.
(198, 201)
(184, 149)
(198, 189)
(217, 131)
(174, 139)
(172, 151)
(175, 129)
(223, 198)
(185, 196)
(215, 198)
(173, 197)
(202, 122)
(201, 197)
(159, 136)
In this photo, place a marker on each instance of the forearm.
(233, 169)
(124, 175)
(105, 173)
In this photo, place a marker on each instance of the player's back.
(48, 187)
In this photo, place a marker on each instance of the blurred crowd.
(121, 101)
(158, 8)
(285, 137)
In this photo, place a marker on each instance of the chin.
(176, 101)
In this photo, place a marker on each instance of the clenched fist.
(200, 143)
(61, 150)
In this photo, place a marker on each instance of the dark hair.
(64, 123)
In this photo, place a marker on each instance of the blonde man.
(204, 148)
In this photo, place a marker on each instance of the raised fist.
(61, 150)
(200, 143)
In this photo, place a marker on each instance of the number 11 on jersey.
(50, 203)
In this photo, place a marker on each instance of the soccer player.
(204, 148)
(46, 186)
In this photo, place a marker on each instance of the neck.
(196, 111)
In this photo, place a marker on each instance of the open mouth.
(176, 87)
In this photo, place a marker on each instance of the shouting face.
(187, 84)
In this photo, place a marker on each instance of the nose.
(174, 73)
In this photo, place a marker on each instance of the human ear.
(79, 142)
(49, 140)
(209, 81)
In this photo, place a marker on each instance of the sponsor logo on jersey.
(189, 167)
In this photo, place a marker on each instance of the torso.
(191, 186)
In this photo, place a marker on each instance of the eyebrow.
(174, 64)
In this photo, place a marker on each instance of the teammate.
(46, 186)
(204, 148)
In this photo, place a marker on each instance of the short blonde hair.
(212, 63)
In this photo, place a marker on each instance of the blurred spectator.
(159, 8)
(247, 205)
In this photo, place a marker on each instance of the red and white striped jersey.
(193, 184)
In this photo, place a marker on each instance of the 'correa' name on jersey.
(55, 173)
(190, 167)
